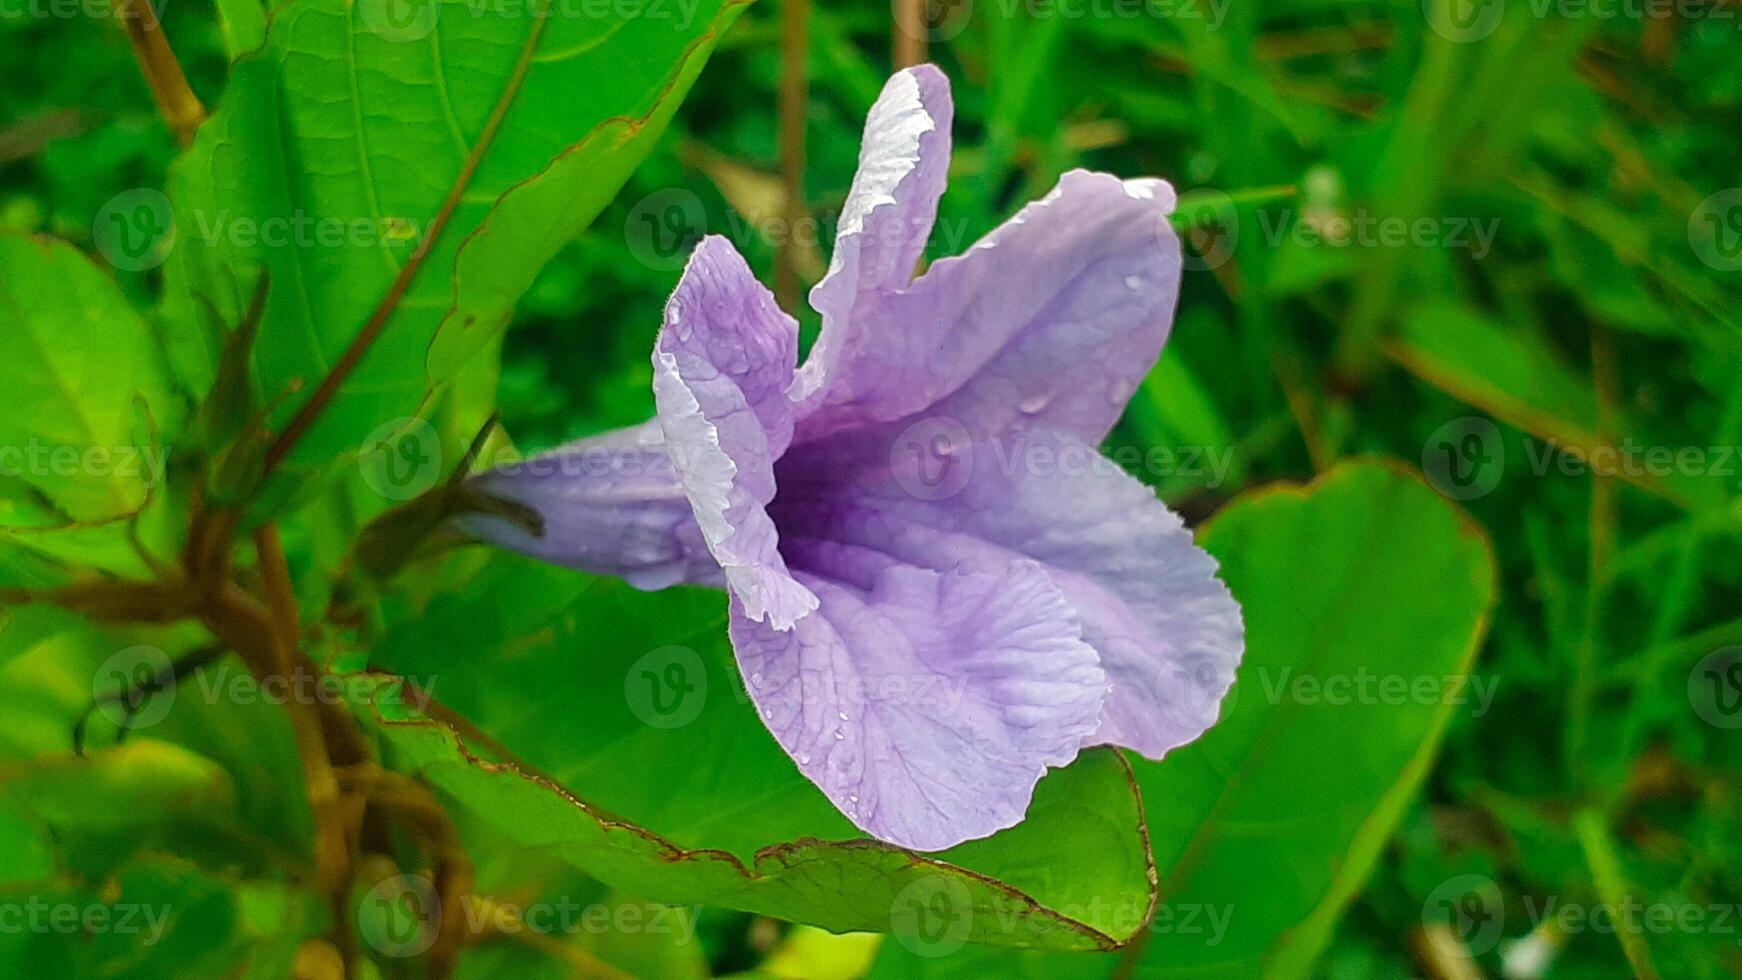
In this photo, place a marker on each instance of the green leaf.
(85, 382)
(159, 917)
(1367, 574)
(411, 174)
(27, 852)
(209, 771)
(139, 782)
(700, 805)
(1269, 825)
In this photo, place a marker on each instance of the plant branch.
(909, 46)
(176, 102)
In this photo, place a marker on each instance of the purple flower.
(938, 585)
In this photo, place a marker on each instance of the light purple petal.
(611, 505)
(953, 589)
(1052, 320)
(1167, 631)
(903, 163)
(925, 704)
(721, 367)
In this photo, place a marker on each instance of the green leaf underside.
(712, 810)
(1271, 823)
(443, 169)
(84, 383)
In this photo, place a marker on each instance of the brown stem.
(266, 638)
(275, 577)
(422, 816)
(910, 33)
(331, 746)
(112, 601)
(176, 102)
(794, 101)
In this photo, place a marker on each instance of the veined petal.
(925, 704)
(1167, 631)
(903, 164)
(1052, 320)
(611, 505)
(721, 367)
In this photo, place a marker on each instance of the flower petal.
(1167, 631)
(1051, 320)
(611, 505)
(903, 163)
(925, 704)
(721, 367)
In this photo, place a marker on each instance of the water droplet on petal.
(1121, 391)
(843, 715)
(839, 735)
(804, 758)
(1034, 403)
(1133, 282)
